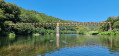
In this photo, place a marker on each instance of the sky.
(74, 10)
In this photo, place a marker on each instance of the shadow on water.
(51, 45)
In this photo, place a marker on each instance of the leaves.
(11, 13)
(2, 16)
(116, 25)
(82, 30)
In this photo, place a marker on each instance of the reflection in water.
(63, 45)
(57, 41)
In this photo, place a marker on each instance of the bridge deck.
(61, 24)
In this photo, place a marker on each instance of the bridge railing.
(60, 24)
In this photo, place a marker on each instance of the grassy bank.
(113, 32)
(109, 33)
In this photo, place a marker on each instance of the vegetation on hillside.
(104, 30)
(82, 30)
(11, 13)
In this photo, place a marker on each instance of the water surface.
(63, 45)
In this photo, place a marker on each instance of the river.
(63, 45)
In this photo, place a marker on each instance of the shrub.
(12, 35)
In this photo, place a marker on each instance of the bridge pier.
(110, 26)
(57, 30)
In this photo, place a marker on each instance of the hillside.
(11, 13)
(34, 16)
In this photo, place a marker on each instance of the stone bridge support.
(110, 26)
(57, 29)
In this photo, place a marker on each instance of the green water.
(63, 45)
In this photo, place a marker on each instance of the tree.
(82, 30)
(11, 13)
(116, 25)
(111, 19)
(8, 12)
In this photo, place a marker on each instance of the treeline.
(101, 30)
(114, 22)
(104, 30)
(11, 13)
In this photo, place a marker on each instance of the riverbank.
(109, 33)
(113, 32)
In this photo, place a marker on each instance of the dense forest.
(11, 13)
(115, 27)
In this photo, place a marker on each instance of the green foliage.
(103, 28)
(82, 30)
(67, 32)
(113, 32)
(93, 32)
(106, 33)
(114, 21)
(11, 13)
(8, 12)
(36, 34)
(2, 16)
(116, 25)
(12, 35)
(31, 16)
(111, 19)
